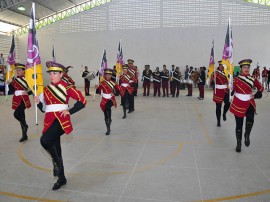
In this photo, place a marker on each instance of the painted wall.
(155, 46)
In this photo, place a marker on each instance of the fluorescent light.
(21, 8)
(4, 27)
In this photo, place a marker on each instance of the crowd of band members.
(55, 99)
(173, 78)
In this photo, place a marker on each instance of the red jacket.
(19, 83)
(243, 85)
(108, 87)
(59, 94)
(125, 80)
(221, 79)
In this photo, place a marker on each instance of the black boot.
(61, 176)
(24, 132)
(108, 124)
(239, 140)
(55, 169)
(107, 121)
(125, 112)
(249, 125)
(224, 117)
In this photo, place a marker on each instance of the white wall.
(155, 46)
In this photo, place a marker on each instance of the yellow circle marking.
(28, 197)
(145, 167)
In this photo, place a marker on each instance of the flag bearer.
(125, 89)
(20, 100)
(243, 104)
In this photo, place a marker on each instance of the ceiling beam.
(44, 6)
(72, 2)
(11, 23)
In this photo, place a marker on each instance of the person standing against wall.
(86, 81)
(264, 77)
(165, 81)
(201, 83)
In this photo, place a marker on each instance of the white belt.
(124, 84)
(221, 86)
(56, 107)
(165, 77)
(107, 96)
(243, 97)
(131, 81)
(156, 80)
(18, 92)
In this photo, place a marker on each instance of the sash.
(59, 92)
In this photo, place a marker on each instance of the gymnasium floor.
(169, 149)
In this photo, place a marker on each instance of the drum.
(90, 76)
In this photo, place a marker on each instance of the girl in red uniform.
(20, 100)
(54, 102)
(125, 89)
(221, 93)
(108, 88)
(243, 104)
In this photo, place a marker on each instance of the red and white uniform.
(56, 97)
(107, 87)
(242, 87)
(221, 86)
(124, 82)
(20, 85)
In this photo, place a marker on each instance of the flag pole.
(96, 83)
(6, 87)
(35, 73)
(215, 77)
(231, 76)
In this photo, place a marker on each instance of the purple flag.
(103, 64)
(32, 49)
(11, 55)
(120, 55)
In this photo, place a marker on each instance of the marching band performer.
(156, 81)
(54, 102)
(176, 82)
(20, 100)
(125, 89)
(86, 81)
(221, 93)
(171, 79)
(66, 77)
(165, 80)
(146, 76)
(108, 88)
(189, 81)
(201, 83)
(133, 82)
(243, 104)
